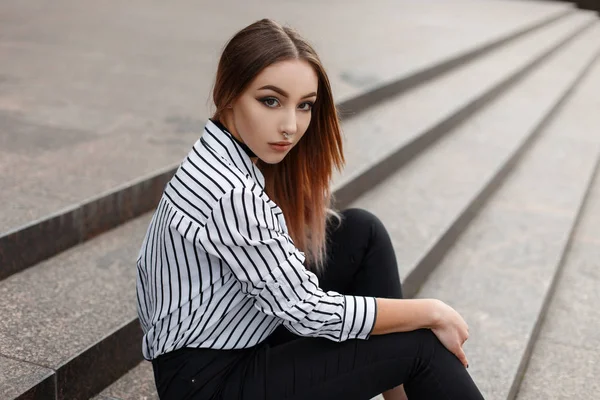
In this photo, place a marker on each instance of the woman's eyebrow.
(283, 92)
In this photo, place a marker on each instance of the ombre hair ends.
(300, 183)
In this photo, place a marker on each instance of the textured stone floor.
(93, 95)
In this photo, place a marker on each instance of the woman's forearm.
(400, 315)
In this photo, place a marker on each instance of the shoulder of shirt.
(197, 186)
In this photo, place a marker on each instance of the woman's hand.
(451, 329)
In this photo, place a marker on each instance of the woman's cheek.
(254, 116)
(305, 122)
(262, 112)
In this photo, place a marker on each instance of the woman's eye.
(307, 106)
(270, 102)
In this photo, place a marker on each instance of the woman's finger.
(462, 357)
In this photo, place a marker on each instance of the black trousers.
(361, 261)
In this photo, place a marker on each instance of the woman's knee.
(365, 221)
(423, 345)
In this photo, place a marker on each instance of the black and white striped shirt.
(217, 268)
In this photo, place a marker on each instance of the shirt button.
(276, 285)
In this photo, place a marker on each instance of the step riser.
(102, 364)
(419, 275)
(94, 369)
(75, 225)
(589, 5)
(42, 391)
(78, 224)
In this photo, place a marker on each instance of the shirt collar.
(218, 138)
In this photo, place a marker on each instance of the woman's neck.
(226, 121)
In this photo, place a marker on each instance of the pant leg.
(361, 260)
(195, 373)
(317, 368)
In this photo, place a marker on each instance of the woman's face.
(278, 100)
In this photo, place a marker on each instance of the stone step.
(77, 307)
(563, 69)
(84, 301)
(408, 124)
(100, 187)
(25, 380)
(74, 315)
(565, 360)
(423, 174)
(434, 197)
(500, 274)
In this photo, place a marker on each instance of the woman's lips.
(281, 146)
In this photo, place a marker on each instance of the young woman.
(250, 287)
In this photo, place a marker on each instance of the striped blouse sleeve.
(244, 232)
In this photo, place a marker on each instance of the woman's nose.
(289, 124)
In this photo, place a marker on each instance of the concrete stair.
(494, 256)
(503, 270)
(109, 178)
(476, 162)
(568, 342)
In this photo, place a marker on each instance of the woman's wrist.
(435, 313)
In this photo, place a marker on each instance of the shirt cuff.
(359, 317)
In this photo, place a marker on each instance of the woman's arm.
(244, 232)
(399, 315)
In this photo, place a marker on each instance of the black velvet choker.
(242, 145)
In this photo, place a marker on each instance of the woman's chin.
(272, 158)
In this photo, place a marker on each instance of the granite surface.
(565, 361)
(60, 308)
(76, 313)
(18, 378)
(428, 194)
(499, 272)
(79, 223)
(79, 147)
(28, 245)
(105, 361)
(404, 118)
(63, 305)
(573, 317)
(562, 371)
(99, 101)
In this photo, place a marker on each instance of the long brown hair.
(300, 184)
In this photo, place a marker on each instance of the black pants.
(361, 261)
